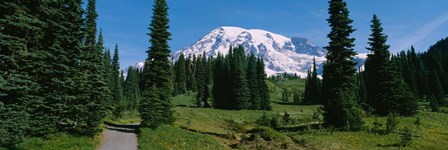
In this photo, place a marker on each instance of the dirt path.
(119, 137)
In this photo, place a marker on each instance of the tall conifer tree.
(339, 85)
(156, 107)
(387, 91)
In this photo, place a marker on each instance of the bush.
(275, 122)
(263, 120)
(286, 118)
(392, 122)
(406, 137)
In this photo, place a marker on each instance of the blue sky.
(406, 22)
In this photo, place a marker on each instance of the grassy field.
(236, 128)
(169, 137)
(59, 142)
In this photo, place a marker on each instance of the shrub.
(406, 137)
(275, 122)
(392, 122)
(263, 120)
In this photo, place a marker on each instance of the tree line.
(55, 74)
(389, 84)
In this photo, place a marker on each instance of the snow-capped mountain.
(281, 54)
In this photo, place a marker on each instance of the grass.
(170, 137)
(128, 117)
(432, 133)
(59, 142)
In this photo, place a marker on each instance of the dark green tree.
(339, 80)
(116, 77)
(156, 107)
(387, 91)
(180, 81)
(240, 90)
(313, 86)
(94, 86)
(265, 102)
(252, 80)
(131, 90)
(220, 91)
(202, 95)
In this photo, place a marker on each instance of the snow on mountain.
(281, 54)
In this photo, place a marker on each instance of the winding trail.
(119, 137)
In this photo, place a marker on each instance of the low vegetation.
(170, 137)
(58, 142)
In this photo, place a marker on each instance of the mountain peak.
(280, 53)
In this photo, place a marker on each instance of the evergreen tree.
(131, 90)
(220, 83)
(156, 107)
(116, 77)
(387, 92)
(202, 87)
(240, 90)
(253, 83)
(180, 81)
(339, 85)
(265, 103)
(362, 89)
(313, 86)
(19, 36)
(94, 87)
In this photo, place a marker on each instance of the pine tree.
(180, 81)
(240, 90)
(220, 83)
(387, 91)
(313, 86)
(202, 86)
(19, 30)
(156, 107)
(95, 88)
(116, 77)
(339, 85)
(131, 90)
(252, 79)
(265, 103)
(362, 89)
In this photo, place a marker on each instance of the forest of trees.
(57, 77)
(55, 74)
(389, 84)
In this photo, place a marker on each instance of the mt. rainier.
(280, 54)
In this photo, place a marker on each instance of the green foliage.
(203, 92)
(263, 120)
(240, 82)
(339, 84)
(275, 122)
(392, 122)
(387, 92)
(180, 80)
(131, 89)
(285, 95)
(13, 124)
(406, 137)
(313, 86)
(155, 107)
(286, 118)
(169, 137)
(59, 142)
